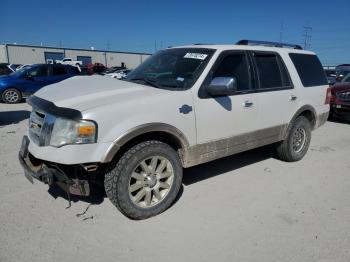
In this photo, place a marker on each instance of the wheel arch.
(307, 111)
(152, 131)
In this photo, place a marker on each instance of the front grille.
(345, 96)
(40, 127)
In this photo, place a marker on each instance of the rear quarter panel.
(314, 96)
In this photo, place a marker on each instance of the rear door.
(225, 117)
(275, 92)
(59, 73)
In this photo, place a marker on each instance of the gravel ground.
(248, 207)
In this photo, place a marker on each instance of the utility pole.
(281, 31)
(307, 37)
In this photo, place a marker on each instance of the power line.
(307, 37)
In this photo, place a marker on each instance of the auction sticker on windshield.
(196, 56)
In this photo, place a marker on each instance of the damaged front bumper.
(49, 173)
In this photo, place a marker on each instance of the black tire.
(286, 150)
(118, 175)
(11, 96)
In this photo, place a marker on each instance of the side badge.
(185, 109)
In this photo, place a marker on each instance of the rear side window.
(309, 69)
(271, 71)
(59, 70)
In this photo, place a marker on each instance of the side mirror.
(222, 86)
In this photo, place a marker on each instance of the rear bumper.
(321, 119)
(341, 110)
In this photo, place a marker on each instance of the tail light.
(328, 96)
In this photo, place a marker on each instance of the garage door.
(85, 59)
(53, 55)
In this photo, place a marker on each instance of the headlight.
(73, 132)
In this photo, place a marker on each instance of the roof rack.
(266, 43)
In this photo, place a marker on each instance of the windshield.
(23, 70)
(176, 68)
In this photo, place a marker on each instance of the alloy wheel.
(151, 181)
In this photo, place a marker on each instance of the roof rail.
(266, 43)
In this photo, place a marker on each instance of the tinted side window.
(271, 71)
(58, 70)
(4, 70)
(235, 65)
(39, 71)
(309, 69)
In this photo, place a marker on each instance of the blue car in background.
(30, 79)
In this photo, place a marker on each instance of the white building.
(30, 54)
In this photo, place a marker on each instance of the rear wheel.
(11, 96)
(297, 142)
(145, 181)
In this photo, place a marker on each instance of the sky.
(146, 26)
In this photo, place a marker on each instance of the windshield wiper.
(147, 81)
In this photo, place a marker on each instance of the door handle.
(248, 103)
(293, 98)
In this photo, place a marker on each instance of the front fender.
(144, 129)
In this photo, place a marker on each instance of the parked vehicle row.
(18, 83)
(340, 101)
(119, 74)
(29, 79)
(69, 61)
(342, 71)
(113, 69)
(331, 76)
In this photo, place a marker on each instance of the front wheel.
(297, 142)
(11, 96)
(145, 181)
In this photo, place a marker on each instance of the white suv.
(182, 107)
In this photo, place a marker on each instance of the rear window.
(309, 69)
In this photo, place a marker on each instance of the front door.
(227, 117)
(36, 78)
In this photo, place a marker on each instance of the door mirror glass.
(222, 86)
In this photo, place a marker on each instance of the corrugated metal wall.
(34, 54)
(3, 56)
(28, 55)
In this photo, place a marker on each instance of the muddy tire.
(297, 142)
(145, 181)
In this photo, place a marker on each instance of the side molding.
(144, 129)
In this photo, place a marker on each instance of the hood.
(7, 77)
(86, 92)
(340, 87)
